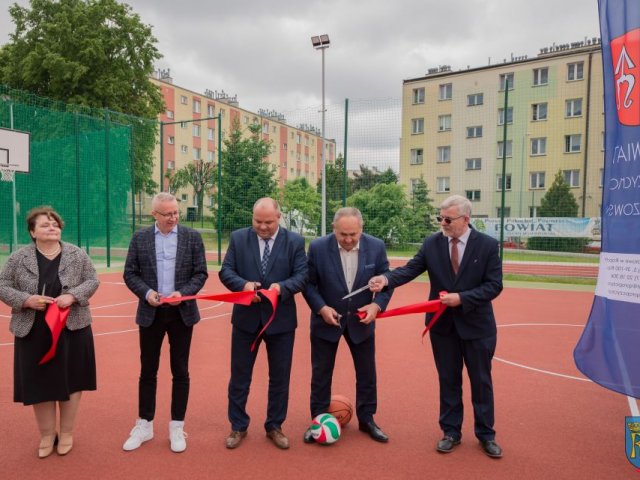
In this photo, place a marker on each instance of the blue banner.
(609, 350)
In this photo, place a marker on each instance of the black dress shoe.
(491, 448)
(374, 431)
(308, 437)
(447, 443)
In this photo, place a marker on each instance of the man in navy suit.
(340, 263)
(165, 260)
(466, 264)
(263, 256)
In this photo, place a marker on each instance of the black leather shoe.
(374, 431)
(447, 443)
(492, 449)
(308, 438)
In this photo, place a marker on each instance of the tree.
(93, 53)
(335, 189)
(300, 205)
(200, 175)
(421, 212)
(368, 178)
(384, 211)
(558, 202)
(246, 176)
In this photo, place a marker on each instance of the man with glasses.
(466, 265)
(164, 260)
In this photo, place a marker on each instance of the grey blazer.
(19, 280)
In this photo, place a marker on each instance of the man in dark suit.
(466, 264)
(165, 260)
(340, 263)
(263, 256)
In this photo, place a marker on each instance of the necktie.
(265, 256)
(455, 263)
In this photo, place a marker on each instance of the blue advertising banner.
(608, 351)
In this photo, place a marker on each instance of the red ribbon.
(240, 298)
(432, 306)
(56, 319)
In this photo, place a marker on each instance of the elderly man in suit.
(165, 260)
(340, 263)
(466, 264)
(263, 256)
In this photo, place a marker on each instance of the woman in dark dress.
(34, 277)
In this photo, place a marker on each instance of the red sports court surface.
(550, 422)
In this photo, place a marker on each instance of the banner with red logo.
(608, 351)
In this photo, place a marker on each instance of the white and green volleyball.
(325, 429)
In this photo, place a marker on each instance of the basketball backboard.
(14, 150)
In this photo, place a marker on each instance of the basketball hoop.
(7, 175)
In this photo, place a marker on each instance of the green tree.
(246, 176)
(300, 205)
(384, 209)
(335, 189)
(420, 221)
(558, 202)
(368, 178)
(200, 175)
(92, 53)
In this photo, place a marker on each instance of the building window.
(539, 111)
(575, 71)
(540, 76)
(284, 146)
(501, 115)
(536, 180)
(507, 211)
(414, 184)
(509, 151)
(418, 95)
(196, 106)
(183, 100)
(442, 184)
(473, 195)
(572, 177)
(196, 130)
(265, 128)
(473, 163)
(416, 156)
(171, 165)
(196, 153)
(503, 80)
(539, 146)
(210, 110)
(499, 182)
(210, 134)
(474, 132)
(417, 126)
(184, 125)
(171, 140)
(445, 91)
(211, 156)
(184, 149)
(572, 143)
(444, 123)
(184, 197)
(475, 99)
(221, 112)
(444, 154)
(573, 107)
(169, 113)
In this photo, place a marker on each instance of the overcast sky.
(261, 50)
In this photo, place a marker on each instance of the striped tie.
(265, 256)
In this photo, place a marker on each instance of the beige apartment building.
(186, 136)
(453, 130)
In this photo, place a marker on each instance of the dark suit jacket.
(141, 272)
(327, 286)
(479, 281)
(287, 267)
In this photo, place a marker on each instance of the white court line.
(526, 367)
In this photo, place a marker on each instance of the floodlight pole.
(321, 42)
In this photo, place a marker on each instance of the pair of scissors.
(355, 292)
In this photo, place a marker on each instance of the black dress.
(72, 369)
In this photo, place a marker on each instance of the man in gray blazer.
(165, 260)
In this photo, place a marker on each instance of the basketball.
(325, 429)
(341, 408)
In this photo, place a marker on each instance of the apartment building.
(187, 136)
(453, 130)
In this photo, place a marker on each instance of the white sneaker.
(177, 436)
(142, 432)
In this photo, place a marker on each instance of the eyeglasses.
(169, 214)
(447, 220)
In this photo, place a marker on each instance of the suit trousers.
(279, 356)
(450, 353)
(167, 321)
(323, 359)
